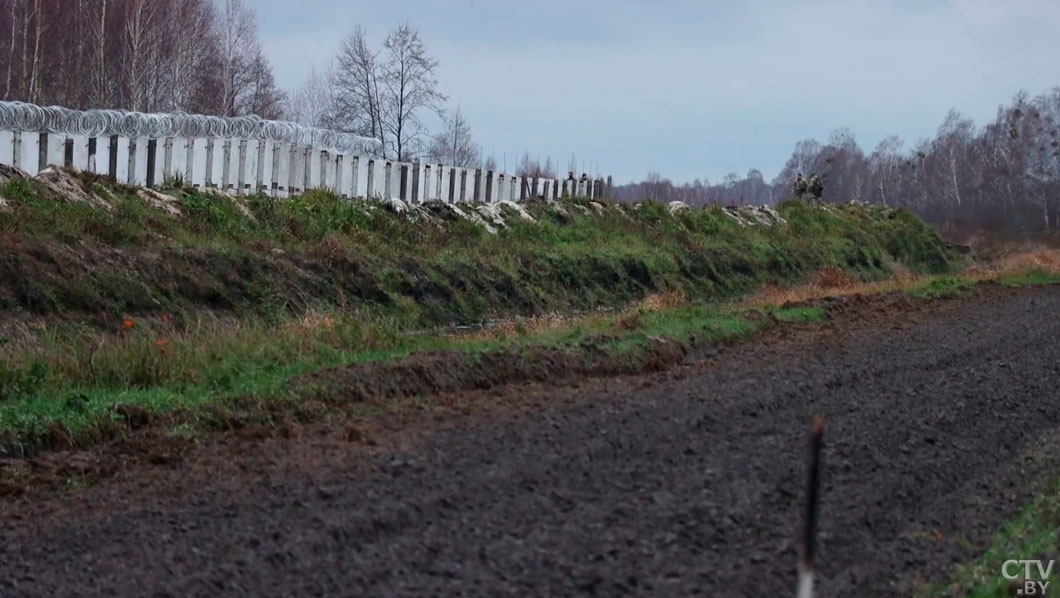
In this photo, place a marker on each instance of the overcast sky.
(696, 89)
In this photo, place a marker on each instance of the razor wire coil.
(20, 116)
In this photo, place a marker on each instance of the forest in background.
(205, 57)
(195, 56)
(1001, 177)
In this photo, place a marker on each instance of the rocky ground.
(942, 420)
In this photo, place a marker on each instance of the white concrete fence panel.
(248, 155)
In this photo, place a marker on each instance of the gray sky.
(696, 89)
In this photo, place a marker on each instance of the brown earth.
(943, 420)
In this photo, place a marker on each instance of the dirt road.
(941, 420)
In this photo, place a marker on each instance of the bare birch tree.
(409, 88)
(191, 37)
(140, 55)
(356, 82)
(454, 145)
(136, 54)
(314, 103)
(238, 40)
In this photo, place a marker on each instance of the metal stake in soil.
(808, 563)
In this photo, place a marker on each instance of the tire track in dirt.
(688, 483)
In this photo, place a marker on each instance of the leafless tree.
(99, 75)
(190, 35)
(885, 164)
(259, 94)
(454, 145)
(532, 167)
(314, 103)
(356, 81)
(238, 43)
(136, 54)
(409, 87)
(27, 26)
(139, 69)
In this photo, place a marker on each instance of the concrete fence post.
(263, 174)
(417, 182)
(255, 164)
(220, 161)
(360, 177)
(119, 158)
(320, 178)
(190, 163)
(209, 162)
(308, 158)
(242, 164)
(167, 159)
(341, 183)
(226, 165)
(28, 152)
(281, 162)
(387, 180)
(80, 157)
(54, 150)
(7, 147)
(369, 190)
(480, 186)
(316, 160)
(297, 172)
(138, 160)
(16, 149)
(153, 164)
(193, 162)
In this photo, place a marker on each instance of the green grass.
(318, 250)
(1031, 535)
(1036, 276)
(800, 315)
(219, 295)
(257, 363)
(945, 287)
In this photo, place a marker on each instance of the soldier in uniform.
(816, 187)
(800, 186)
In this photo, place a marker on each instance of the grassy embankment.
(1031, 535)
(105, 309)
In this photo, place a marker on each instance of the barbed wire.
(20, 116)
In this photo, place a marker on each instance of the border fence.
(246, 155)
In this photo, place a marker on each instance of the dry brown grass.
(1041, 258)
(660, 301)
(502, 329)
(833, 282)
(1016, 260)
(312, 321)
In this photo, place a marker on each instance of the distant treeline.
(1002, 177)
(196, 56)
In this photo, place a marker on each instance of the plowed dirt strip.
(678, 484)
